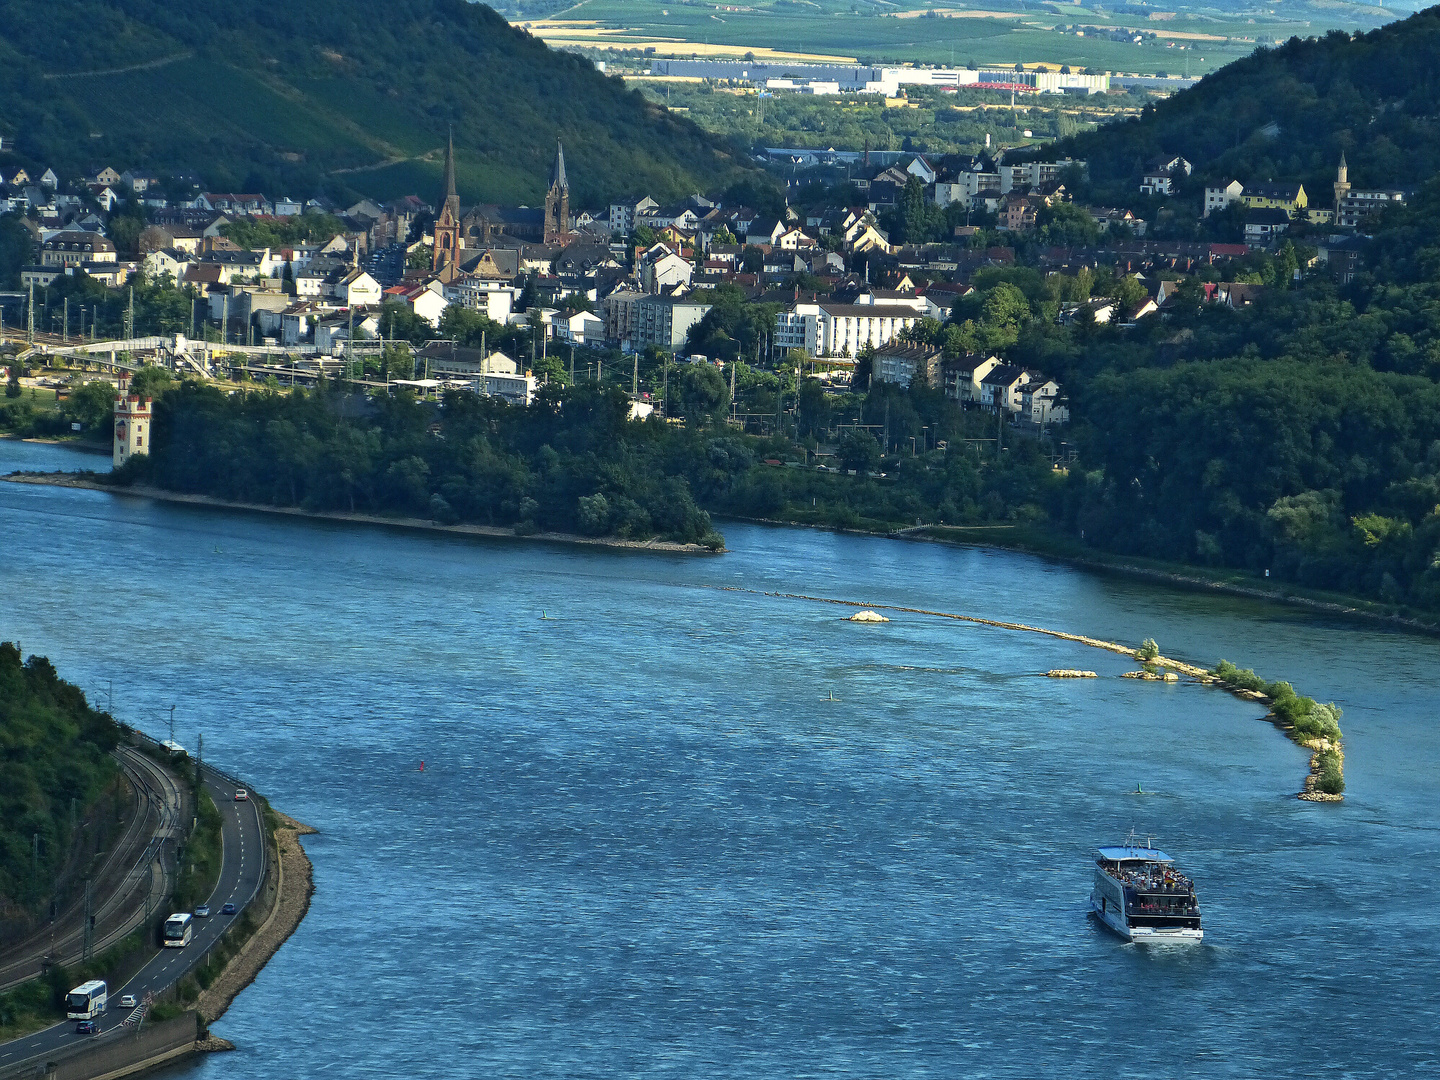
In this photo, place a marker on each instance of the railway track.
(132, 866)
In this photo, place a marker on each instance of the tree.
(92, 404)
(703, 393)
(858, 451)
(812, 411)
(151, 381)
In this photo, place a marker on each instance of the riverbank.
(90, 482)
(291, 900)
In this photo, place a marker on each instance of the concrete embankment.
(287, 901)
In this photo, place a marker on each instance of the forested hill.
(278, 97)
(54, 765)
(1288, 112)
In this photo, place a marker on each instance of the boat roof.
(1120, 854)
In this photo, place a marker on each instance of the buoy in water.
(422, 766)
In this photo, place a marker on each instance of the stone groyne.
(1323, 750)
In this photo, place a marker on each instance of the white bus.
(177, 930)
(86, 1001)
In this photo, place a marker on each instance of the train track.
(122, 909)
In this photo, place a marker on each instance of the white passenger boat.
(1142, 897)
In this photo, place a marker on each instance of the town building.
(664, 321)
(903, 363)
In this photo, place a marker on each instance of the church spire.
(557, 171)
(450, 193)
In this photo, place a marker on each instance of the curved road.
(241, 870)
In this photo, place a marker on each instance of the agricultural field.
(1193, 42)
(931, 122)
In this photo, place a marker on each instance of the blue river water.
(646, 843)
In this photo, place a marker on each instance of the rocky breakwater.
(1314, 725)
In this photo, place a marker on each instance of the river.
(646, 843)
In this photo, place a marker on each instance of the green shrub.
(1239, 678)
(1330, 780)
(1148, 650)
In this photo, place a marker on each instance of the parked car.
(241, 795)
(85, 1027)
(128, 1001)
(203, 911)
(228, 909)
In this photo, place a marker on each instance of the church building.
(460, 236)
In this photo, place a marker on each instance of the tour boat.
(1142, 897)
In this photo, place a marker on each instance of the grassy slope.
(283, 96)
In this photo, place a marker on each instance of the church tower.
(557, 200)
(132, 424)
(1342, 185)
(447, 222)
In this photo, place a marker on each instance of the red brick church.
(488, 225)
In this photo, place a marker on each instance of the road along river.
(647, 842)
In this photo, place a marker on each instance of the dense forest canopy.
(54, 761)
(1287, 113)
(571, 462)
(361, 94)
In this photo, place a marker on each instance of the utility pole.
(350, 339)
(635, 380)
(130, 316)
(65, 329)
(30, 317)
(572, 365)
(172, 723)
(89, 925)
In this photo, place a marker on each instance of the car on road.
(128, 1001)
(241, 795)
(228, 909)
(203, 911)
(85, 1027)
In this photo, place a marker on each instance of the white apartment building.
(830, 329)
(1219, 197)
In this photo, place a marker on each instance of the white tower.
(132, 423)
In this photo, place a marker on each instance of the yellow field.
(585, 32)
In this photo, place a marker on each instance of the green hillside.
(357, 96)
(54, 766)
(1288, 112)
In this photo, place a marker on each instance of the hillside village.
(849, 284)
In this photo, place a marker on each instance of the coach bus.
(177, 930)
(86, 1001)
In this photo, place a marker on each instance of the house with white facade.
(1160, 172)
(1000, 390)
(963, 376)
(1220, 196)
(1041, 403)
